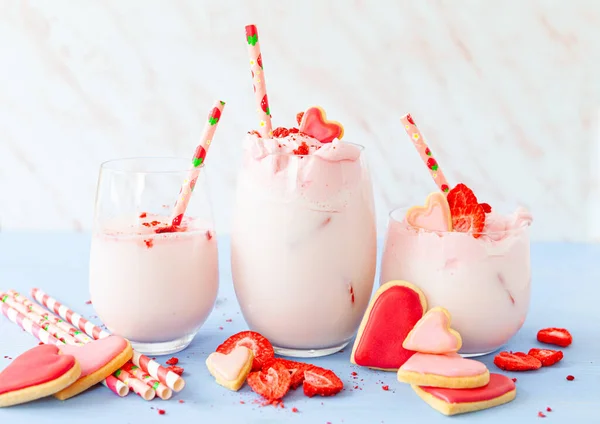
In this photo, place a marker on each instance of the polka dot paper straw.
(425, 153)
(118, 387)
(258, 78)
(185, 193)
(164, 375)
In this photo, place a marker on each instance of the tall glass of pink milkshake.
(150, 282)
(304, 242)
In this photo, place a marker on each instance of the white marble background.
(507, 93)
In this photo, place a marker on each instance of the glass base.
(309, 353)
(474, 355)
(162, 348)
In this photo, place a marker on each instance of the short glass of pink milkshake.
(482, 278)
(150, 282)
(303, 242)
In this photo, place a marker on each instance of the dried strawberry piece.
(516, 361)
(468, 216)
(272, 383)
(296, 370)
(172, 361)
(280, 132)
(547, 357)
(294, 130)
(302, 150)
(322, 382)
(256, 133)
(299, 116)
(486, 207)
(556, 336)
(143, 215)
(177, 370)
(256, 342)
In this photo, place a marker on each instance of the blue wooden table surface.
(566, 280)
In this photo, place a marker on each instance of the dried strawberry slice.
(516, 361)
(556, 336)
(547, 357)
(322, 382)
(256, 342)
(299, 116)
(177, 370)
(468, 216)
(272, 383)
(296, 370)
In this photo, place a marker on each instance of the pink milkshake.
(304, 241)
(154, 287)
(482, 278)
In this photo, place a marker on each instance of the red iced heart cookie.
(314, 123)
(393, 312)
(98, 360)
(498, 391)
(39, 372)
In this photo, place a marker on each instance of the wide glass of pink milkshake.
(483, 279)
(304, 242)
(149, 282)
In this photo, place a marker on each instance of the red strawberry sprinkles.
(570, 378)
(172, 361)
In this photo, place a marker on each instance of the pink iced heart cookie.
(434, 216)
(432, 334)
(37, 373)
(98, 360)
(498, 391)
(314, 123)
(451, 371)
(230, 370)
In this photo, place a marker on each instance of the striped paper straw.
(258, 78)
(139, 387)
(185, 193)
(45, 337)
(164, 375)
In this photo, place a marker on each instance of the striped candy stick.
(164, 375)
(162, 391)
(139, 387)
(45, 337)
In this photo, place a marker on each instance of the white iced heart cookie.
(230, 370)
(434, 216)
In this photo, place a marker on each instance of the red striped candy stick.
(185, 193)
(162, 391)
(164, 375)
(260, 87)
(18, 302)
(45, 337)
(425, 153)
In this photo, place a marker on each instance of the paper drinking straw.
(45, 337)
(164, 375)
(189, 183)
(425, 153)
(138, 386)
(258, 78)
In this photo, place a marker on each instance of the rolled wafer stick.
(172, 380)
(118, 387)
(139, 387)
(162, 391)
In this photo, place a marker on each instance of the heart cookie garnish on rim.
(434, 216)
(314, 123)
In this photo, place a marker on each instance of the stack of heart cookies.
(398, 333)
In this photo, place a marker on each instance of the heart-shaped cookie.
(98, 360)
(37, 373)
(392, 313)
(451, 371)
(432, 334)
(230, 370)
(434, 216)
(498, 391)
(314, 123)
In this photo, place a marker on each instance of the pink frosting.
(230, 365)
(449, 365)
(432, 334)
(95, 355)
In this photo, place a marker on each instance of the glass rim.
(360, 147)
(108, 165)
(524, 224)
